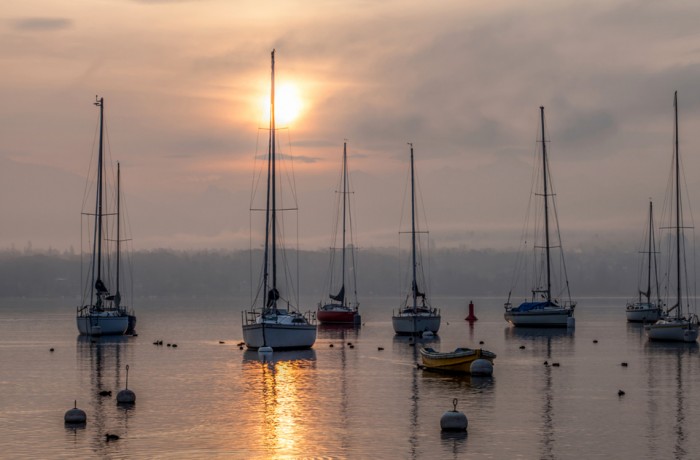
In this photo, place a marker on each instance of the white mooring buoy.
(264, 350)
(481, 367)
(126, 396)
(75, 416)
(453, 420)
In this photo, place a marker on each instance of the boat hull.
(279, 336)
(643, 313)
(338, 316)
(459, 360)
(97, 325)
(541, 318)
(673, 330)
(415, 324)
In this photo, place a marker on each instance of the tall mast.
(269, 210)
(413, 233)
(546, 207)
(97, 242)
(273, 210)
(649, 251)
(678, 208)
(345, 197)
(117, 295)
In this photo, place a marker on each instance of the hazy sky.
(462, 80)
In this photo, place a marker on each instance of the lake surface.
(205, 399)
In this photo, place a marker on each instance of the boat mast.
(345, 197)
(413, 233)
(270, 209)
(546, 208)
(678, 209)
(96, 283)
(649, 251)
(117, 295)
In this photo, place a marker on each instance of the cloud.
(43, 24)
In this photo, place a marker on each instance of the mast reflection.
(285, 407)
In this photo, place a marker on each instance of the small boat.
(342, 309)
(544, 309)
(414, 318)
(458, 360)
(276, 324)
(674, 325)
(644, 310)
(102, 312)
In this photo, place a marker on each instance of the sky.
(184, 81)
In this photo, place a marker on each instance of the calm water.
(204, 399)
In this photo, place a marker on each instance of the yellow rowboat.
(459, 360)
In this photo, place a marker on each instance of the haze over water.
(204, 399)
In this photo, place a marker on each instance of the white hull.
(415, 324)
(642, 314)
(673, 330)
(540, 318)
(102, 325)
(279, 336)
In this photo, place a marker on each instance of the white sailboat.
(276, 324)
(678, 324)
(544, 309)
(414, 318)
(102, 312)
(646, 310)
(343, 307)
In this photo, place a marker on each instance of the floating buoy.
(623, 364)
(428, 334)
(555, 364)
(546, 363)
(111, 437)
(471, 317)
(126, 396)
(350, 343)
(453, 420)
(380, 348)
(264, 350)
(330, 346)
(221, 341)
(174, 345)
(481, 342)
(571, 322)
(595, 341)
(169, 345)
(352, 346)
(522, 347)
(51, 350)
(240, 347)
(620, 393)
(481, 367)
(105, 393)
(75, 416)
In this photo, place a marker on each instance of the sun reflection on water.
(281, 406)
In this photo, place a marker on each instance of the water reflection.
(284, 387)
(670, 361)
(103, 358)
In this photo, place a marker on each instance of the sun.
(288, 104)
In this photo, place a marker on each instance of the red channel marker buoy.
(471, 316)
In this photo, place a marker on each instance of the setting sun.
(288, 104)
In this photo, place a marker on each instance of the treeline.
(453, 272)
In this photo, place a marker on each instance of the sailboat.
(674, 325)
(544, 309)
(102, 312)
(277, 324)
(645, 310)
(342, 309)
(414, 318)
